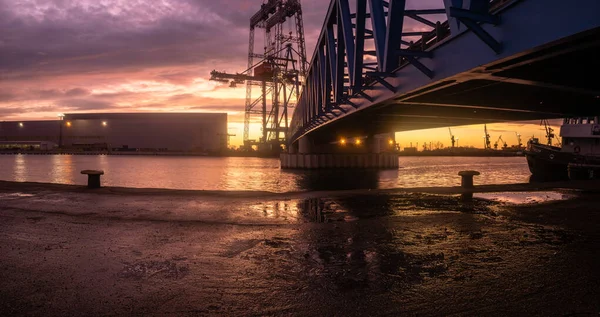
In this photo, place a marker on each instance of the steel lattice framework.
(352, 56)
(278, 73)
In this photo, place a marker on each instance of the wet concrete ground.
(71, 251)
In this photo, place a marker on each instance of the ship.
(577, 157)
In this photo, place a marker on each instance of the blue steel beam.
(379, 28)
(313, 94)
(348, 36)
(478, 12)
(323, 76)
(393, 34)
(339, 84)
(319, 90)
(359, 47)
(332, 58)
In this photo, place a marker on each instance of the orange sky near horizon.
(84, 56)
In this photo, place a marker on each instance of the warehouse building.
(201, 132)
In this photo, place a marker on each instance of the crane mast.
(549, 132)
(486, 144)
(278, 74)
(452, 139)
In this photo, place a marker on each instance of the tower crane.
(486, 145)
(452, 139)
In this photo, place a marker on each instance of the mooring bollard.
(467, 178)
(93, 178)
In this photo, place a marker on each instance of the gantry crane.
(279, 72)
(452, 139)
(486, 144)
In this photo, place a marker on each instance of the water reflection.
(335, 179)
(366, 206)
(258, 174)
(525, 197)
(280, 210)
(62, 171)
(20, 168)
(372, 243)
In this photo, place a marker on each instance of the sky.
(70, 56)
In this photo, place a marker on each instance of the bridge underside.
(557, 80)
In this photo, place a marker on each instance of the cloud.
(6, 96)
(6, 111)
(77, 92)
(132, 55)
(85, 104)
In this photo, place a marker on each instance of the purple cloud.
(64, 55)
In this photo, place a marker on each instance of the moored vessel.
(578, 155)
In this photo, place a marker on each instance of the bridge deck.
(548, 50)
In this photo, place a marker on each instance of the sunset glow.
(130, 56)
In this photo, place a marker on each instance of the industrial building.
(199, 132)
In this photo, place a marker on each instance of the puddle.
(361, 207)
(524, 197)
(15, 195)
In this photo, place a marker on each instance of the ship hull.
(548, 162)
(583, 171)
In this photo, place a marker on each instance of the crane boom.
(452, 139)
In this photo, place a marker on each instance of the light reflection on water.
(524, 197)
(262, 174)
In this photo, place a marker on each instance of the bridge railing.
(339, 70)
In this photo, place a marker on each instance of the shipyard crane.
(549, 131)
(278, 74)
(500, 139)
(452, 139)
(486, 144)
(520, 144)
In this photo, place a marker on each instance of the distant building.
(202, 132)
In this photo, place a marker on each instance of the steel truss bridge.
(488, 61)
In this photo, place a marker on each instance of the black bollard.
(467, 178)
(93, 178)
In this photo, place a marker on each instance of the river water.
(259, 174)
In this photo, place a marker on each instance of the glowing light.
(357, 141)
(68, 123)
(104, 123)
(21, 124)
(391, 142)
(343, 141)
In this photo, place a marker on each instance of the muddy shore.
(67, 250)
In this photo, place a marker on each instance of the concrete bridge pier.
(371, 152)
